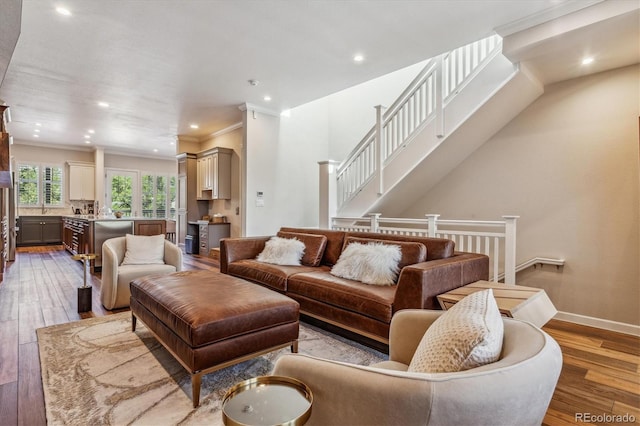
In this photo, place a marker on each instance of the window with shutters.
(158, 195)
(40, 185)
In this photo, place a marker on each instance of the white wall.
(352, 113)
(568, 165)
(281, 155)
(155, 165)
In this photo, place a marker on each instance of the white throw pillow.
(144, 250)
(468, 335)
(372, 263)
(282, 251)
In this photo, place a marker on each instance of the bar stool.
(171, 230)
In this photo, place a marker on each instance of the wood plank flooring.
(600, 375)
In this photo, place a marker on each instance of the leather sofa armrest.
(419, 284)
(233, 249)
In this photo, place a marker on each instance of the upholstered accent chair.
(515, 390)
(116, 276)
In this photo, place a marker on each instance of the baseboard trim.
(619, 327)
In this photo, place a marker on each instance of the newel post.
(432, 226)
(510, 249)
(379, 148)
(327, 193)
(375, 222)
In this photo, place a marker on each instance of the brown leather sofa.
(429, 267)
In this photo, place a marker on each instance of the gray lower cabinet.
(210, 235)
(39, 230)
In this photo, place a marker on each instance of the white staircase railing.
(496, 239)
(422, 101)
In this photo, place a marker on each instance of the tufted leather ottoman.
(208, 320)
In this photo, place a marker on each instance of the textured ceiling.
(164, 64)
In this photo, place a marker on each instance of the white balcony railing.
(496, 239)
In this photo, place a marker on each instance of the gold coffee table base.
(267, 400)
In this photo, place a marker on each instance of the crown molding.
(226, 130)
(257, 108)
(544, 16)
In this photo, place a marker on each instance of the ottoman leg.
(294, 347)
(134, 321)
(195, 388)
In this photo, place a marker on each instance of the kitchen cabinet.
(39, 230)
(76, 237)
(150, 227)
(81, 181)
(210, 235)
(189, 208)
(214, 174)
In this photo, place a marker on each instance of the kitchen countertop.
(93, 218)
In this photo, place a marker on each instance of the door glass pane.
(161, 196)
(122, 194)
(148, 205)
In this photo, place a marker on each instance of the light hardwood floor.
(600, 375)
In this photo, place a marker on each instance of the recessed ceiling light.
(36, 130)
(172, 143)
(267, 98)
(194, 126)
(38, 124)
(87, 141)
(587, 61)
(36, 136)
(91, 131)
(103, 104)
(358, 58)
(155, 150)
(63, 11)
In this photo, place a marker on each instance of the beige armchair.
(515, 390)
(114, 292)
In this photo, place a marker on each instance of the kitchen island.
(83, 234)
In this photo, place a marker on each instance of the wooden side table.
(514, 301)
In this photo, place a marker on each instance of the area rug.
(96, 371)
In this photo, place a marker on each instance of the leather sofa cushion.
(203, 307)
(267, 274)
(335, 240)
(411, 252)
(314, 246)
(370, 300)
(437, 248)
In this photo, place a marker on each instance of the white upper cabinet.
(214, 174)
(81, 181)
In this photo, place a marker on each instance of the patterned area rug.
(96, 371)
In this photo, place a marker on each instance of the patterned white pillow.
(371, 263)
(282, 251)
(468, 335)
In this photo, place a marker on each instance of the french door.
(122, 192)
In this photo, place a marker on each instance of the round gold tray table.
(267, 401)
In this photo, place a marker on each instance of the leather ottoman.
(208, 320)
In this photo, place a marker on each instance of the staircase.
(457, 102)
